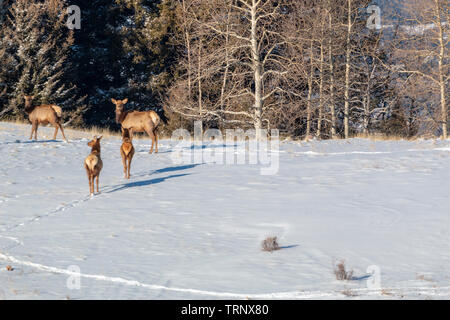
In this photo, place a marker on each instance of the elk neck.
(29, 107)
(95, 149)
(126, 140)
(120, 116)
(126, 137)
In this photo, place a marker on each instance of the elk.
(93, 163)
(126, 151)
(138, 121)
(43, 114)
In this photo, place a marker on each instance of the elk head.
(119, 108)
(28, 101)
(125, 133)
(95, 143)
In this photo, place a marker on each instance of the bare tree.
(422, 51)
(242, 59)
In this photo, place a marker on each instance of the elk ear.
(99, 138)
(125, 101)
(114, 101)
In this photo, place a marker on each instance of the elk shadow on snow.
(145, 182)
(168, 169)
(195, 147)
(31, 141)
(142, 150)
(212, 145)
(178, 168)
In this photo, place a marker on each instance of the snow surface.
(194, 231)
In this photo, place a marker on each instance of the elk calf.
(126, 151)
(93, 163)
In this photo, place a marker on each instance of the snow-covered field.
(194, 231)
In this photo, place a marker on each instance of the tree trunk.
(441, 72)
(188, 48)
(330, 58)
(319, 121)
(366, 102)
(347, 71)
(310, 88)
(199, 75)
(257, 72)
(227, 65)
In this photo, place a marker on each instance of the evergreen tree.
(122, 50)
(34, 52)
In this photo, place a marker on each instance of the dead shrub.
(341, 273)
(270, 244)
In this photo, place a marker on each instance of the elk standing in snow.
(126, 151)
(43, 114)
(93, 163)
(138, 121)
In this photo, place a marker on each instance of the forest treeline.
(310, 68)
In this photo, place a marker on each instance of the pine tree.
(35, 47)
(122, 51)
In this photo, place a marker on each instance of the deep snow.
(194, 231)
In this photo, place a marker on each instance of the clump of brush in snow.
(270, 244)
(341, 273)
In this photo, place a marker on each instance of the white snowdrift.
(194, 231)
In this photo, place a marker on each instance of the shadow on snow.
(145, 182)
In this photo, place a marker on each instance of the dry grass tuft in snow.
(270, 244)
(341, 273)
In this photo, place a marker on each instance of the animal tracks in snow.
(429, 291)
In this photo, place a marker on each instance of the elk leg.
(92, 185)
(97, 182)
(62, 131)
(124, 162)
(56, 132)
(35, 130)
(130, 157)
(33, 126)
(155, 132)
(89, 178)
(152, 136)
(131, 134)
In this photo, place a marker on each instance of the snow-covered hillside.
(194, 231)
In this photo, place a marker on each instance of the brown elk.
(93, 164)
(43, 114)
(138, 121)
(126, 151)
